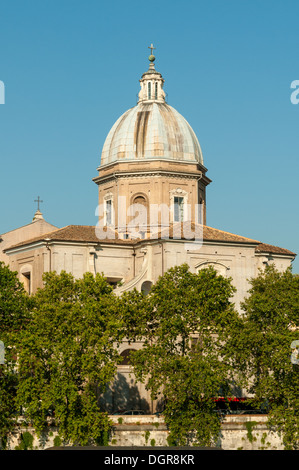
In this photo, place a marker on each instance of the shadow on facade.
(126, 394)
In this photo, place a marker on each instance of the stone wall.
(239, 432)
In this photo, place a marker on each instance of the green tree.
(186, 356)
(13, 317)
(13, 303)
(134, 311)
(271, 323)
(67, 355)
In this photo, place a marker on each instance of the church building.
(152, 186)
(152, 209)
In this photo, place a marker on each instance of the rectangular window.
(109, 212)
(178, 209)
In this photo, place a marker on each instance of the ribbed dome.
(151, 130)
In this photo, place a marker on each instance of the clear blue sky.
(71, 68)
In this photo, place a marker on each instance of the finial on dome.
(151, 57)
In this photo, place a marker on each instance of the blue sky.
(71, 68)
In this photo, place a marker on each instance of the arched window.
(146, 287)
(140, 200)
(149, 89)
(141, 209)
(156, 90)
(138, 215)
(125, 357)
(219, 267)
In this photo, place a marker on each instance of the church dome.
(152, 129)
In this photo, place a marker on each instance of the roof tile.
(87, 234)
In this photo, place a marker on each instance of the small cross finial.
(38, 200)
(151, 47)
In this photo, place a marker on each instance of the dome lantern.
(151, 83)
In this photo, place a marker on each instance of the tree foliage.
(271, 323)
(188, 373)
(13, 303)
(195, 346)
(67, 356)
(14, 308)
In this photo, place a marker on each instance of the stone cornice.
(149, 161)
(150, 173)
(79, 243)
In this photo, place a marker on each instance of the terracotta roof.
(210, 233)
(264, 248)
(75, 233)
(87, 234)
(213, 234)
(189, 231)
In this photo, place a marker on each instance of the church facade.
(152, 186)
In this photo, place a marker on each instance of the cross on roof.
(38, 200)
(151, 47)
